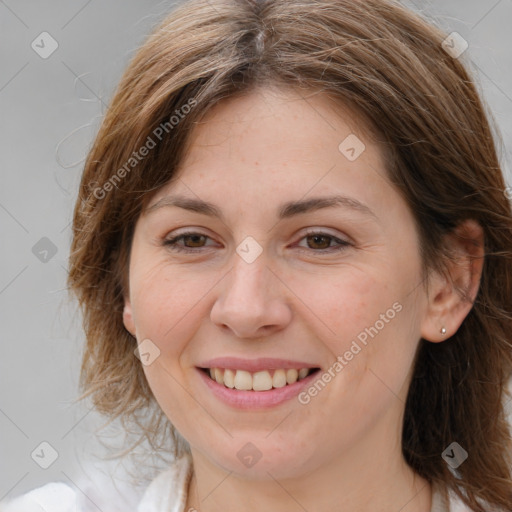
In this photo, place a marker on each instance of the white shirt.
(166, 493)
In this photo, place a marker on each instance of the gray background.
(49, 111)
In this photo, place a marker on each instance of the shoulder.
(444, 500)
(168, 491)
(54, 497)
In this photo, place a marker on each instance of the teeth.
(219, 375)
(261, 381)
(243, 380)
(291, 376)
(229, 379)
(279, 379)
(257, 381)
(303, 372)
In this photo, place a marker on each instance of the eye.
(321, 242)
(317, 242)
(194, 239)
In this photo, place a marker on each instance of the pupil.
(319, 237)
(194, 238)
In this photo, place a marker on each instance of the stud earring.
(443, 330)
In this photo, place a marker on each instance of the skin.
(341, 451)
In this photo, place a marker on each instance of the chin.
(256, 458)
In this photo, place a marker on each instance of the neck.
(355, 482)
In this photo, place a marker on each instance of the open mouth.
(264, 380)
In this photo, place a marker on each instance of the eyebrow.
(286, 210)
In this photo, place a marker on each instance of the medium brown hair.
(387, 64)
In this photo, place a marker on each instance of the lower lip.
(256, 399)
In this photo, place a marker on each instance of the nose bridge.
(248, 301)
(249, 280)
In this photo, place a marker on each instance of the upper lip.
(255, 365)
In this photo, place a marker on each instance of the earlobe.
(452, 295)
(128, 318)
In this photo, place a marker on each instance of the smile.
(264, 380)
(255, 383)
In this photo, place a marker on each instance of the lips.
(250, 400)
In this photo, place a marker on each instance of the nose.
(252, 301)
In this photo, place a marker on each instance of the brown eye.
(195, 240)
(319, 240)
(190, 241)
(321, 243)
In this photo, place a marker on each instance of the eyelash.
(172, 242)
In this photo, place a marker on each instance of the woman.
(294, 216)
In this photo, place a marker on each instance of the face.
(274, 278)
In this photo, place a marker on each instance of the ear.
(128, 322)
(451, 297)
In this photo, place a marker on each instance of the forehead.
(275, 136)
(298, 116)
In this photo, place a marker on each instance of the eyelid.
(187, 232)
(315, 230)
(322, 231)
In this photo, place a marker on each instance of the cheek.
(340, 303)
(367, 322)
(167, 302)
(168, 310)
